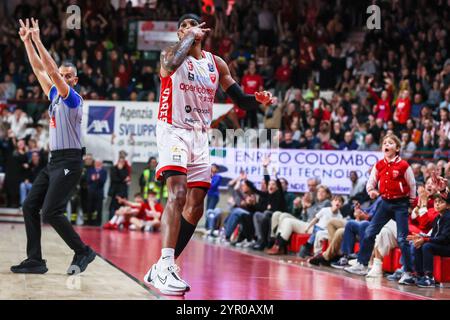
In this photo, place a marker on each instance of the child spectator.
(397, 185)
(437, 244)
(320, 221)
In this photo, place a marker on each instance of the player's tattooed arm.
(172, 57)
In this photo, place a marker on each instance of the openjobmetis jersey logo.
(101, 120)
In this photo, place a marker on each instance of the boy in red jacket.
(397, 187)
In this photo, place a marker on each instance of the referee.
(54, 184)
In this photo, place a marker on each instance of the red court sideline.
(217, 272)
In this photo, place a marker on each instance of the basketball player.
(54, 184)
(189, 80)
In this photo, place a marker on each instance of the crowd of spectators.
(339, 87)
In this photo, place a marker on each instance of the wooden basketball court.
(215, 272)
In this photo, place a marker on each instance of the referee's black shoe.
(30, 266)
(81, 261)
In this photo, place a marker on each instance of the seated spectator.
(239, 205)
(436, 244)
(288, 142)
(357, 193)
(294, 211)
(320, 221)
(149, 216)
(342, 237)
(284, 224)
(369, 144)
(349, 143)
(289, 197)
(309, 141)
(408, 146)
(322, 200)
(270, 201)
(125, 212)
(426, 149)
(442, 152)
(308, 211)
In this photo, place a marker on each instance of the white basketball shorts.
(186, 151)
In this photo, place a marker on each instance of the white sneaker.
(358, 269)
(353, 262)
(249, 244)
(167, 280)
(377, 269)
(242, 244)
(407, 279)
(151, 274)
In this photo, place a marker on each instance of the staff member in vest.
(52, 188)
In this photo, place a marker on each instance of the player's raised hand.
(264, 97)
(24, 31)
(35, 30)
(199, 31)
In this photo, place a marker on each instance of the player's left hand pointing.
(264, 97)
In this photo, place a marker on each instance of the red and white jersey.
(187, 94)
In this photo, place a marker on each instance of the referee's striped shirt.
(65, 120)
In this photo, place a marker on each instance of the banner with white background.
(297, 166)
(111, 126)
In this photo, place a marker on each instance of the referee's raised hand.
(35, 32)
(24, 31)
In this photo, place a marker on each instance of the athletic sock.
(186, 232)
(167, 258)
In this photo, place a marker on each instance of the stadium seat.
(442, 270)
(356, 247)
(391, 262)
(296, 241)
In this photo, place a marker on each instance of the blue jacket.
(214, 188)
(96, 185)
(441, 230)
